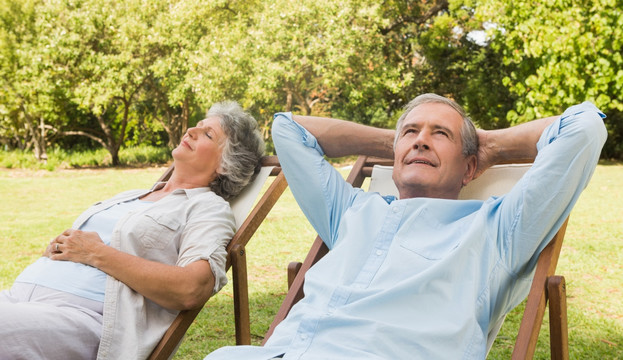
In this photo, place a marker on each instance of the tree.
(103, 45)
(104, 69)
(32, 86)
(183, 37)
(382, 84)
(558, 54)
(349, 59)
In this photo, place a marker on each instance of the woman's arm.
(169, 286)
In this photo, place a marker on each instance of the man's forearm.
(342, 138)
(515, 143)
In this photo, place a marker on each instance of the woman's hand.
(75, 245)
(173, 287)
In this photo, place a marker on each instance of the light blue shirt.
(421, 278)
(75, 278)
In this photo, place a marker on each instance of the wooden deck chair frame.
(236, 260)
(545, 285)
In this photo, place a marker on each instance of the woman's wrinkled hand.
(74, 245)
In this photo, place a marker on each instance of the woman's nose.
(192, 131)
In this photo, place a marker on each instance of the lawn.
(37, 205)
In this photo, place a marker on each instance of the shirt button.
(395, 209)
(379, 252)
(303, 337)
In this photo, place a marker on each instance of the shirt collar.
(189, 192)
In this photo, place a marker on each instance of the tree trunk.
(175, 124)
(37, 134)
(288, 100)
(43, 154)
(109, 140)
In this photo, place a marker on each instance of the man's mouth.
(421, 161)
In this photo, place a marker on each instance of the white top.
(183, 227)
(76, 278)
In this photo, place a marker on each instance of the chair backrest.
(241, 204)
(496, 181)
(248, 218)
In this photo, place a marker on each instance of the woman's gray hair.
(469, 137)
(242, 151)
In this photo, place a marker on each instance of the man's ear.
(470, 171)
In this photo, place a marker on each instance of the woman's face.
(201, 148)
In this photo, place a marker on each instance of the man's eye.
(208, 135)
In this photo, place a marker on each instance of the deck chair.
(545, 286)
(247, 222)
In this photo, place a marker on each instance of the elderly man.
(424, 276)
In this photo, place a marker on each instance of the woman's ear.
(220, 170)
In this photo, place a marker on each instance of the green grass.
(591, 262)
(37, 205)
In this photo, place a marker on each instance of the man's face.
(428, 159)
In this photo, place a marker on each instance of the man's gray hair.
(242, 151)
(469, 137)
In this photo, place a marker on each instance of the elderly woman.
(112, 284)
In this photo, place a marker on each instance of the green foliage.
(128, 73)
(66, 159)
(560, 53)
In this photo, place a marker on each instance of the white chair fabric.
(241, 205)
(496, 181)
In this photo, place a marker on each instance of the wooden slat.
(241, 295)
(174, 334)
(293, 270)
(558, 333)
(537, 299)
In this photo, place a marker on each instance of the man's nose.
(421, 141)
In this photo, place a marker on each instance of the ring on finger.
(57, 250)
